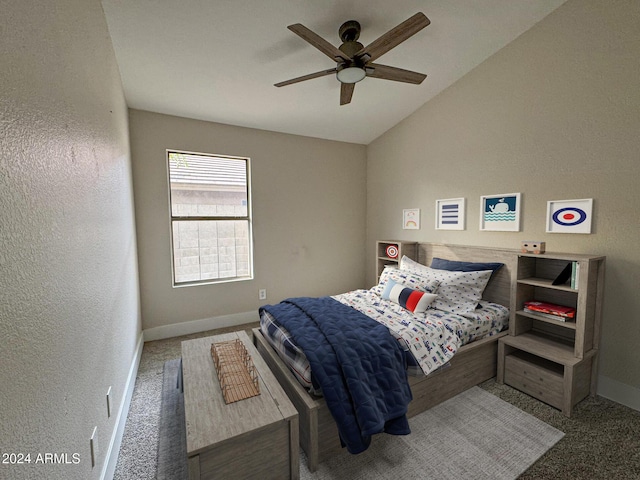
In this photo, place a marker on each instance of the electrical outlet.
(109, 403)
(93, 446)
(262, 294)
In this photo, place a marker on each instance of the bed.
(474, 360)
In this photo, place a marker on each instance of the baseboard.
(111, 459)
(619, 392)
(197, 326)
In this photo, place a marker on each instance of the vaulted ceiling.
(218, 60)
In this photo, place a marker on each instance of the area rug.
(474, 435)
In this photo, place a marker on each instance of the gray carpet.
(472, 436)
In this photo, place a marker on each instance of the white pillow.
(459, 292)
(408, 279)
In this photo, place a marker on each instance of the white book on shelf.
(575, 274)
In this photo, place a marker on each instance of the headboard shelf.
(498, 289)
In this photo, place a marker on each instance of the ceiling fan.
(355, 61)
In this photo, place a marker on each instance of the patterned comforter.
(434, 337)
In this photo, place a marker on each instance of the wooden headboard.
(499, 287)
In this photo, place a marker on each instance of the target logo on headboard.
(392, 251)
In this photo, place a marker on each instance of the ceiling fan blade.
(394, 37)
(306, 77)
(346, 92)
(392, 73)
(320, 43)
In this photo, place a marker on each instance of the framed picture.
(411, 219)
(450, 214)
(569, 216)
(500, 213)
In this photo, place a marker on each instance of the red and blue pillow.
(413, 300)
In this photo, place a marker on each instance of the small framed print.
(411, 219)
(500, 213)
(450, 214)
(569, 216)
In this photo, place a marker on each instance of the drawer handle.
(525, 373)
(539, 392)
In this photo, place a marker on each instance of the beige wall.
(69, 305)
(308, 198)
(554, 115)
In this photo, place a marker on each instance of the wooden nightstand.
(551, 358)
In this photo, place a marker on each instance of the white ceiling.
(217, 60)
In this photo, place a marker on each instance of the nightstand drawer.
(535, 376)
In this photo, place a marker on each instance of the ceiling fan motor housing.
(351, 48)
(349, 32)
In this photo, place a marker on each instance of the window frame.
(227, 218)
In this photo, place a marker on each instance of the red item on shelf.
(551, 308)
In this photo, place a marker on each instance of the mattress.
(442, 332)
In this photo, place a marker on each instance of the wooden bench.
(252, 438)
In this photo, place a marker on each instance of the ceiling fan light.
(351, 74)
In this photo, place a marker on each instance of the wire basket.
(237, 374)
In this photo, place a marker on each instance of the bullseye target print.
(569, 216)
(392, 251)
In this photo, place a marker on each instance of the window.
(210, 218)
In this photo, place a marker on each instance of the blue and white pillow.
(415, 301)
(459, 292)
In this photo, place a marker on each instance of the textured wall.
(308, 199)
(555, 115)
(69, 304)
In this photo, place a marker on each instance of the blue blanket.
(359, 365)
